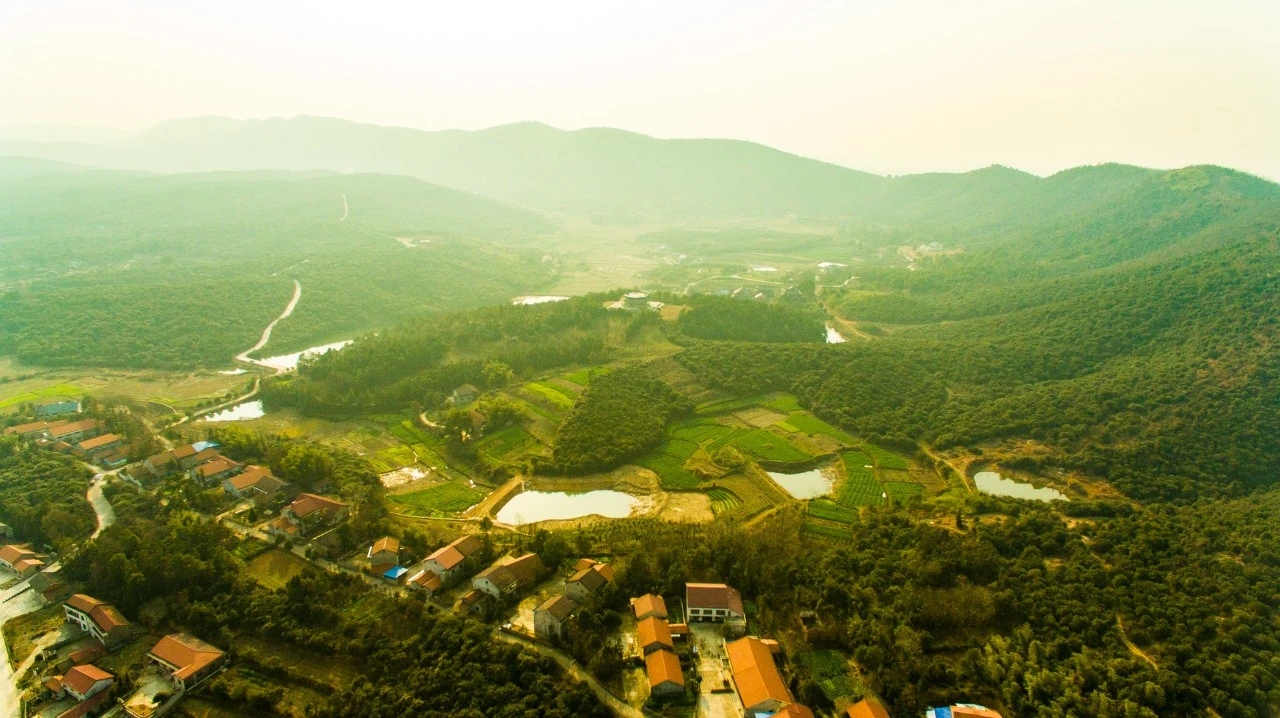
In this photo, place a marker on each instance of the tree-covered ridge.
(418, 362)
(113, 269)
(620, 415)
(725, 318)
(42, 494)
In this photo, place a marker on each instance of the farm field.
(885, 459)
(332, 670)
(48, 392)
(670, 468)
(447, 498)
(825, 529)
(769, 446)
(273, 569)
(502, 444)
(809, 424)
(755, 491)
(723, 500)
(582, 377)
(831, 670)
(901, 491)
(860, 487)
(558, 396)
(829, 510)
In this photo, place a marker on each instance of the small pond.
(990, 482)
(833, 336)
(538, 299)
(534, 506)
(290, 361)
(806, 484)
(239, 412)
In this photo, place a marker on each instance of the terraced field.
(769, 446)
(828, 510)
(392, 458)
(901, 491)
(273, 569)
(447, 498)
(809, 424)
(554, 395)
(860, 487)
(670, 467)
(755, 493)
(723, 500)
(885, 459)
(502, 445)
(825, 529)
(725, 406)
(831, 670)
(700, 431)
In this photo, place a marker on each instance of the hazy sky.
(889, 86)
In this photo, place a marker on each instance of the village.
(692, 653)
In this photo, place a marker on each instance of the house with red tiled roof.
(99, 446)
(509, 575)
(654, 634)
(215, 470)
(80, 682)
(713, 602)
(308, 512)
(756, 678)
(160, 465)
(187, 659)
(72, 432)
(868, 707)
(552, 616)
(587, 580)
(666, 679)
(384, 554)
(425, 580)
(100, 619)
(649, 605)
(258, 484)
(32, 430)
(186, 456)
(14, 553)
(450, 560)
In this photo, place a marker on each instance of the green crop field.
(754, 495)
(700, 432)
(769, 446)
(409, 432)
(725, 438)
(901, 491)
(670, 469)
(392, 458)
(273, 569)
(449, 497)
(723, 500)
(831, 671)
(812, 425)
(504, 442)
(784, 403)
(553, 395)
(885, 459)
(860, 487)
(831, 511)
(817, 527)
(582, 377)
(724, 406)
(38, 394)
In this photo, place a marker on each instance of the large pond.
(990, 482)
(806, 484)
(833, 336)
(534, 506)
(239, 412)
(538, 299)
(289, 362)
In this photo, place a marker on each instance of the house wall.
(667, 688)
(489, 587)
(577, 592)
(546, 625)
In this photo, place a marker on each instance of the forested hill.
(124, 269)
(609, 174)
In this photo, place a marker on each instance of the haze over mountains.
(609, 174)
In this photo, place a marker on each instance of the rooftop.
(714, 595)
(81, 678)
(654, 631)
(560, 606)
(187, 653)
(663, 667)
(755, 673)
(649, 604)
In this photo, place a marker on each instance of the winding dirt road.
(101, 507)
(266, 333)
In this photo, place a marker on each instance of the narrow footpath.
(606, 696)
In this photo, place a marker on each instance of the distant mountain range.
(608, 174)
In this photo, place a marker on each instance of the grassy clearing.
(886, 459)
(901, 491)
(58, 390)
(583, 377)
(447, 498)
(769, 446)
(784, 403)
(21, 633)
(723, 500)
(831, 671)
(829, 510)
(335, 671)
(273, 569)
(813, 426)
(250, 547)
